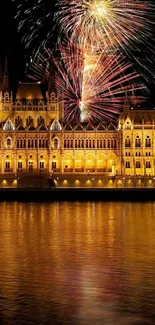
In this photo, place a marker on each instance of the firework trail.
(34, 21)
(106, 24)
(91, 70)
(93, 85)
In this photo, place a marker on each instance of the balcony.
(55, 170)
(90, 170)
(101, 170)
(68, 170)
(79, 170)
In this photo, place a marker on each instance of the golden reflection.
(78, 253)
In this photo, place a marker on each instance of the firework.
(34, 22)
(106, 24)
(93, 86)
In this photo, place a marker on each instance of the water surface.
(80, 263)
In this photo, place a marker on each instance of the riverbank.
(77, 194)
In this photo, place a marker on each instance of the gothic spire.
(6, 76)
(51, 84)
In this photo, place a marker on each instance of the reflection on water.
(80, 263)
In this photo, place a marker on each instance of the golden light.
(77, 182)
(65, 182)
(100, 9)
(4, 182)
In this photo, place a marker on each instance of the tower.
(6, 96)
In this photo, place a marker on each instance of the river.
(78, 263)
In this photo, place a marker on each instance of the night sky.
(18, 56)
(10, 43)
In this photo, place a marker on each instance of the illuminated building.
(35, 139)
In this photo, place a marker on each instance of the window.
(127, 142)
(7, 166)
(55, 126)
(148, 164)
(137, 142)
(115, 143)
(147, 142)
(127, 164)
(41, 165)
(41, 120)
(30, 165)
(148, 153)
(8, 126)
(138, 164)
(54, 165)
(127, 153)
(42, 143)
(21, 143)
(18, 120)
(137, 153)
(8, 143)
(128, 126)
(19, 165)
(29, 120)
(55, 143)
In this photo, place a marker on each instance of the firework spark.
(34, 20)
(93, 86)
(106, 24)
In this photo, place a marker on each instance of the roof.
(29, 90)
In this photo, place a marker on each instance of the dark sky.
(10, 41)
(18, 55)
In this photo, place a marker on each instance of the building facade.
(35, 139)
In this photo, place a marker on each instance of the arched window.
(55, 126)
(29, 120)
(17, 120)
(41, 120)
(127, 142)
(147, 142)
(8, 126)
(104, 143)
(137, 142)
(55, 143)
(8, 142)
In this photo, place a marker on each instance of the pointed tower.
(6, 86)
(51, 85)
(6, 98)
